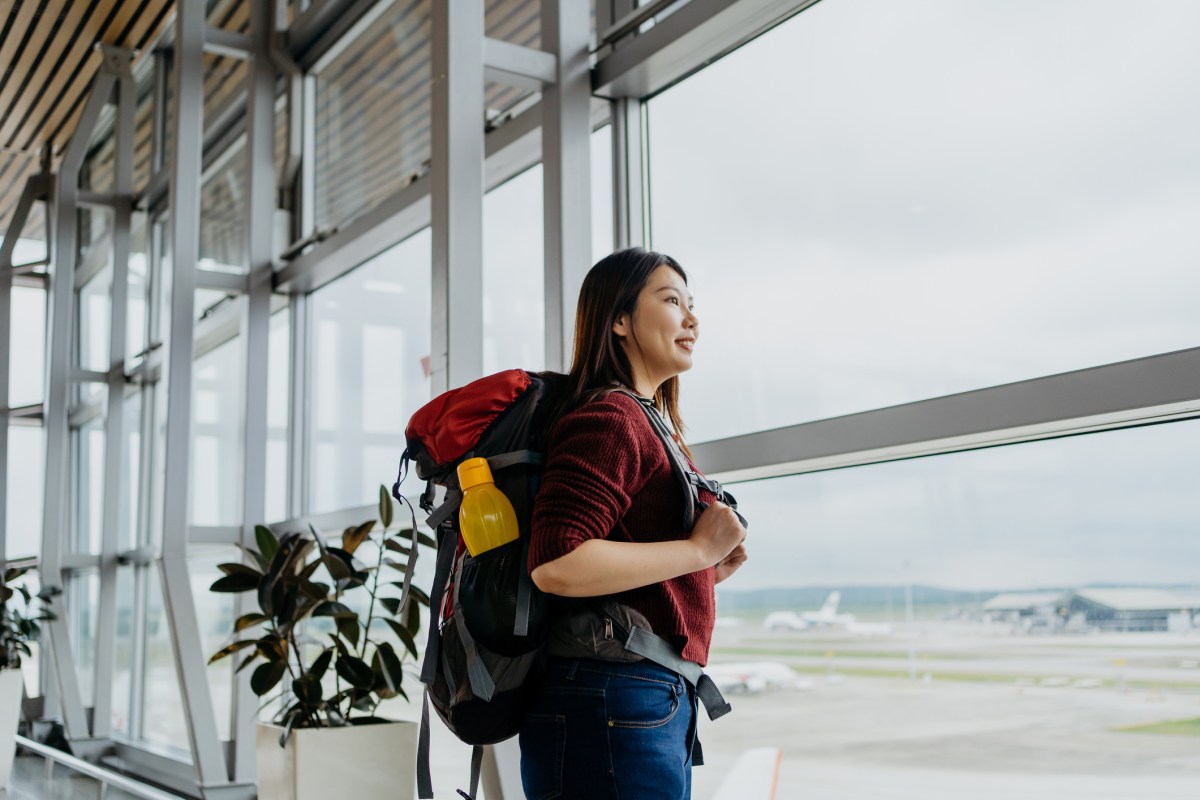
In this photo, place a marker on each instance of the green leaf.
(372, 720)
(239, 569)
(416, 592)
(405, 637)
(413, 623)
(395, 546)
(353, 537)
(331, 608)
(394, 564)
(392, 604)
(267, 543)
(235, 583)
(385, 507)
(422, 538)
(348, 628)
(321, 663)
(355, 671)
(263, 564)
(246, 662)
(247, 620)
(230, 649)
(393, 672)
(266, 676)
(307, 689)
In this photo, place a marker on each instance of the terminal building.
(943, 254)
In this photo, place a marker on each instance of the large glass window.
(514, 321)
(26, 475)
(985, 613)
(27, 363)
(217, 408)
(880, 202)
(370, 356)
(88, 445)
(372, 114)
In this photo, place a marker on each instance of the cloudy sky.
(881, 202)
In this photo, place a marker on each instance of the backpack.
(486, 648)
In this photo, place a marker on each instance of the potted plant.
(330, 667)
(18, 627)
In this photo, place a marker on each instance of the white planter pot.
(11, 690)
(357, 761)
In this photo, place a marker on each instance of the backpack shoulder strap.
(679, 466)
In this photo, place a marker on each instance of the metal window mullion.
(299, 409)
(260, 156)
(56, 525)
(629, 176)
(187, 77)
(118, 61)
(566, 173)
(457, 193)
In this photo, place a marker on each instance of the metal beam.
(188, 82)
(695, 35)
(56, 525)
(514, 65)
(260, 169)
(1142, 391)
(566, 172)
(118, 62)
(220, 42)
(456, 175)
(631, 221)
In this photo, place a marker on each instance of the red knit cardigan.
(607, 477)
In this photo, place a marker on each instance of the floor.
(29, 782)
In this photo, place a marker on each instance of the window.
(370, 357)
(218, 401)
(26, 475)
(1010, 555)
(882, 202)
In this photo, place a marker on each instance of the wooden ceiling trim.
(32, 46)
(24, 26)
(43, 87)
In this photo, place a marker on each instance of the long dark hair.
(599, 363)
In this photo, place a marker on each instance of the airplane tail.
(831, 603)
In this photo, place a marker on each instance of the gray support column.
(298, 407)
(184, 223)
(56, 525)
(118, 62)
(566, 138)
(260, 169)
(630, 218)
(457, 193)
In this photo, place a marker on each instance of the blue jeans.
(603, 729)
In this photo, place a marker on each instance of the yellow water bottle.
(486, 517)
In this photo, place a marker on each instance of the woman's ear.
(621, 325)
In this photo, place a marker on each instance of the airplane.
(826, 617)
(752, 677)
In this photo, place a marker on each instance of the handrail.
(105, 776)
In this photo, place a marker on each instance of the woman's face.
(660, 336)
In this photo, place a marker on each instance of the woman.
(608, 523)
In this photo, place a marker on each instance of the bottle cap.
(473, 472)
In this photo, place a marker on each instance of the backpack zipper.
(608, 628)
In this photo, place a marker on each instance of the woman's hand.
(717, 533)
(731, 562)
